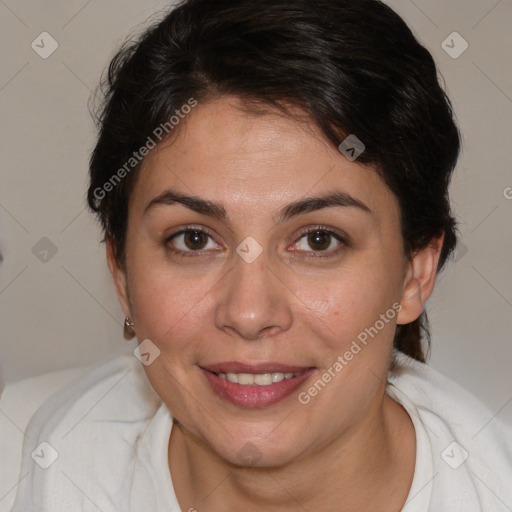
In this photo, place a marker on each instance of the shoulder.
(437, 394)
(105, 410)
(115, 390)
(471, 447)
(18, 402)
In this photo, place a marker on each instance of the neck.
(368, 467)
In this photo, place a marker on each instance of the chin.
(259, 452)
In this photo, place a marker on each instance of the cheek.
(167, 304)
(171, 311)
(347, 302)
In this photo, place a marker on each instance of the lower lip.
(255, 396)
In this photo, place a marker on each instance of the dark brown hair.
(353, 67)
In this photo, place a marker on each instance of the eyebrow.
(311, 204)
(217, 211)
(196, 204)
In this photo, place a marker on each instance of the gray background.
(63, 312)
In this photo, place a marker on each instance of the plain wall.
(63, 312)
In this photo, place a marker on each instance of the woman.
(272, 181)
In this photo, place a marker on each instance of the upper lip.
(254, 368)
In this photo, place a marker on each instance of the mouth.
(258, 385)
(258, 379)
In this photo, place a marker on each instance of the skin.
(294, 304)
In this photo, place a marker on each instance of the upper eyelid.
(340, 235)
(184, 229)
(326, 230)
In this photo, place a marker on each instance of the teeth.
(245, 379)
(277, 377)
(259, 379)
(232, 377)
(262, 379)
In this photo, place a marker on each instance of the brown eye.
(195, 240)
(190, 240)
(319, 240)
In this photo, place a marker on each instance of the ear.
(119, 277)
(419, 281)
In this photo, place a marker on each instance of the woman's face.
(255, 247)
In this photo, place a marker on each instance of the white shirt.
(105, 441)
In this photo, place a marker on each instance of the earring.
(128, 323)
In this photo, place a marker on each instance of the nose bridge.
(253, 301)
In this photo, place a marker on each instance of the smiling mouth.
(258, 385)
(258, 379)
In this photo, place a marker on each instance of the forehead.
(245, 160)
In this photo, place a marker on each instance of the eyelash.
(183, 231)
(328, 231)
(311, 254)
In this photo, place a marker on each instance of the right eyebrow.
(203, 206)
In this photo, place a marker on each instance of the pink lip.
(256, 396)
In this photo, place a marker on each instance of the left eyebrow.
(311, 204)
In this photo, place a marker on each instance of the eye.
(318, 240)
(192, 240)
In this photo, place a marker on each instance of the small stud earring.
(128, 324)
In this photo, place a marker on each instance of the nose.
(253, 302)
